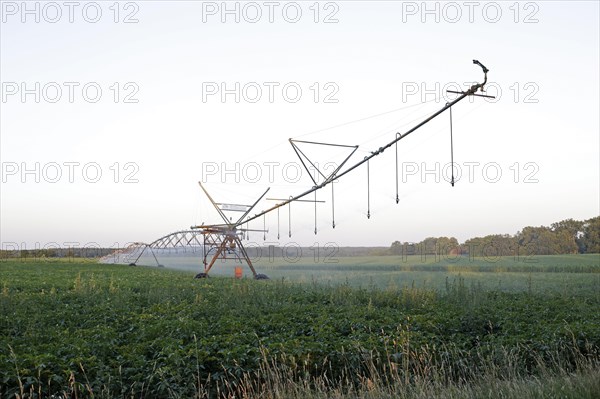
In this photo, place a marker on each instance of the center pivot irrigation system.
(223, 241)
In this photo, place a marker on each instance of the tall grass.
(420, 377)
(422, 374)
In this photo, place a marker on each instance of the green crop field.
(534, 273)
(539, 273)
(379, 327)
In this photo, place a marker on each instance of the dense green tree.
(446, 245)
(574, 228)
(546, 241)
(396, 248)
(491, 245)
(428, 246)
(590, 239)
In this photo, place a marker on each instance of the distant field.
(538, 274)
(79, 329)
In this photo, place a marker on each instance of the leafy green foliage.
(568, 236)
(146, 332)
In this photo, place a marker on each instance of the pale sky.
(159, 123)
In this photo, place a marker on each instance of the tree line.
(55, 252)
(568, 236)
(565, 237)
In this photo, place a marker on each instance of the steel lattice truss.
(179, 239)
(217, 242)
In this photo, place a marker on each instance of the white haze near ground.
(370, 54)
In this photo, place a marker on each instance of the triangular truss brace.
(304, 159)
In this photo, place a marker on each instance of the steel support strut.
(225, 237)
(227, 242)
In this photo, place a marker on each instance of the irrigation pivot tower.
(224, 240)
(219, 239)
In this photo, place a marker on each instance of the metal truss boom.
(471, 92)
